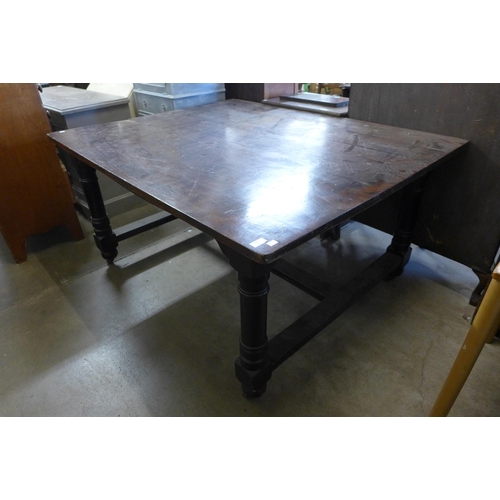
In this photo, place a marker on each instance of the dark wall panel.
(460, 214)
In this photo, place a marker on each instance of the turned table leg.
(104, 237)
(252, 367)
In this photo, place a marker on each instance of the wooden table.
(261, 181)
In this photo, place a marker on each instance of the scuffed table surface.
(260, 179)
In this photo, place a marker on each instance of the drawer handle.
(145, 104)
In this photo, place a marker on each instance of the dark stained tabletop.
(260, 179)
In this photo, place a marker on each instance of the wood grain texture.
(461, 206)
(245, 172)
(34, 191)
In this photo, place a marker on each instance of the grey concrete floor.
(156, 334)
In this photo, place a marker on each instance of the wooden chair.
(484, 327)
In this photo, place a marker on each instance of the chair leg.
(483, 328)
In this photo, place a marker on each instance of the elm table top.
(260, 179)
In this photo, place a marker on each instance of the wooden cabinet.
(34, 191)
